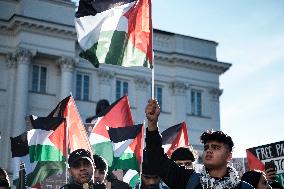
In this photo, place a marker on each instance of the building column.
(23, 57)
(105, 81)
(215, 94)
(8, 123)
(179, 106)
(67, 65)
(141, 97)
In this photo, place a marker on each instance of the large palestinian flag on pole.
(116, 115)
(42, 149)
(77, 136)
(258, 156)
(127, 147)
(115, 32)
(174, 137)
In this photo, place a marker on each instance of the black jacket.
(80, 186)
(118, 184)
(174, 176)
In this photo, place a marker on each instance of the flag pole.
(153, 79)
(152, 65)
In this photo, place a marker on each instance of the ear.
(229, 156)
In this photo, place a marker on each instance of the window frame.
(196, 102)
(84, 94)
(123, 88)
(39, 84)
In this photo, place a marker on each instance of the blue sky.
(251, 37)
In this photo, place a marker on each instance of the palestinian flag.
(42, 150)
(115, 32)
(132, 177)
(253, 161)
(127, 147)
(116, 115)
(174, 137)
(77, 136)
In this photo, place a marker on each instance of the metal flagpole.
(152, 91)
(153, 78)
(22, 176)
(152, 65)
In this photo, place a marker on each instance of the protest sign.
(258, 156)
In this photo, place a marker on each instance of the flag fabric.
(132, 177)
(115, 32)
(116, 115)
(77, 136)
(42, 150)
(127, 147)
(175, 137)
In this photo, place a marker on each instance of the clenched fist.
(152, 112)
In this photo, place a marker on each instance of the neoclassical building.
(39, 66)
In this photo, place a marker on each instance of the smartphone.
(269, 165)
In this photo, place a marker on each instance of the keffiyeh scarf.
(226, 182)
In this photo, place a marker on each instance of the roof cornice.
(18, 22)
(188, 61)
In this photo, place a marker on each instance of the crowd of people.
(159, 171)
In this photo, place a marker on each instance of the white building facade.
(39, 66)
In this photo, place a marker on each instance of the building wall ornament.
(215, 93)
(24, 56)
(66, 63)
(179, 87)
(105, 76)
(11, 60)
(141, 82)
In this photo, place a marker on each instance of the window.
(39, 74)
(82, 86)
(159, 96)
(121, 88)
(196, 103)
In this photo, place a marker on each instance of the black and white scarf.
(226, 182)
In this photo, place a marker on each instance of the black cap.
(79, 154)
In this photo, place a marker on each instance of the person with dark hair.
(256, 178)
(185, 156)
(81, 171)
(101, 168)
(102, 105)
(101, 174)
(4, 179)
(4, 184)
(149, 178)
(216, 173)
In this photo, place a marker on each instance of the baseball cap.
(79, 154)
